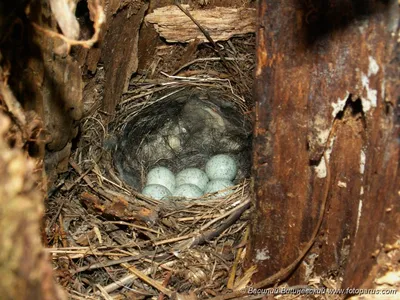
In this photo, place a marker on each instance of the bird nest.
(122, 242)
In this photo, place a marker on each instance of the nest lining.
(183, 130)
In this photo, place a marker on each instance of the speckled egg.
(162, 176)
(188, 191)
(192, 176)
(221, 166)
(218, 185)
(156, 191)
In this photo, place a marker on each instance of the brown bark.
(117, 52)
(326, 82)
(25, 269)
(42, 81)
(41, 93)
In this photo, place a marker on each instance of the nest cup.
(179, 128)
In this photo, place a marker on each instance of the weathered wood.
(116, 51)
(36, 88)
(25, 270)
(119, 53)
(51, 85)
(43, 82)
(221, 23)
(326, 83)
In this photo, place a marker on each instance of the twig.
(213, 233)
(63, 235)
(204, 59)
(61, 183)
(148, 280)
(197, 218)
(79, 171)
(53, 191)
(191, 73)
(107, 263)
(207, 35)
(173, 240)
(165, 283)
(244, 204)
(88, 181)
(55, 217)
(109, 181)
(149, 93)
(196, 80)
(131, 225)
(127, 280)
(123, 282)
(103, 292)
(80, 296)
(232, 276)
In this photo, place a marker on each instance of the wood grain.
(222, 23)
(321, 63)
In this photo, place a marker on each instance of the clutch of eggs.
(219, 172)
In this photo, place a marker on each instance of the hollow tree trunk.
(326, 86)
(40, 93)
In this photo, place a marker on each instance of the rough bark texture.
(25, 269)
(326, 82)
(49, 84)
(41, 94)
(117, 53)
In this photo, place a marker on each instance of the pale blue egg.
(218, 185)
(192, 176)
(221, 166)
(188, 191)
(156, 191)
(162, 176)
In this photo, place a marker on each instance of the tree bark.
(326, 86)
(25, 269)
(40, 95)
(117, 52)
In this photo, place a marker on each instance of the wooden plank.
(323, 86)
